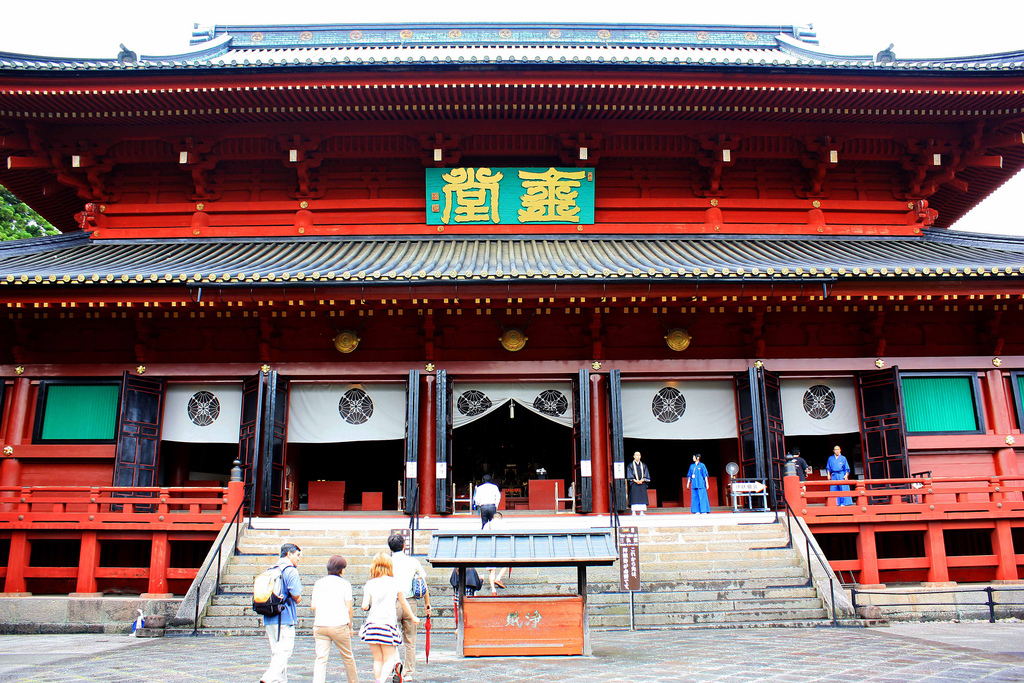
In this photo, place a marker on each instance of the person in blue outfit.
(281, 628)
(697, 479)
(839, 470)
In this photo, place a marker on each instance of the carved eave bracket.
(820, 156)
(302, 154)
(440, 150)
(580, 149)
(194, 155)
(717, 153)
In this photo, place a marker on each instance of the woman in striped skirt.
(380, 597)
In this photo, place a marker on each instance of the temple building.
(374, 263)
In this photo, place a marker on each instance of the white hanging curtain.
(697, 409)
(332, 412)
(816, 406)
(552, 401)
(202, 413)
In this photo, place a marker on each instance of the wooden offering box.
(523, 625)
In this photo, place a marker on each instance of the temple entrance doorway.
(350, 475)
(345, 446)
(669, 462)
(819, 414)
(517, 433)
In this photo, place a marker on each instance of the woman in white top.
(380, 631)
(332, 622)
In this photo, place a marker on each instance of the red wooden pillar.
(88, 560)
(1002, 545)
(16, 563)
(425, 470)
(1002, 421)
(867, 553)
(935, 551)
(10, 466)
(158, 559)
(794, 494)
(599, 443)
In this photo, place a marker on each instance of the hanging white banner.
(552, 401)
(202, 413)
(819, 406)
(693, 409)
(331, 412)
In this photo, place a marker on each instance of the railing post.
(853, 597)
(991, 605)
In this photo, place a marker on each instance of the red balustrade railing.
(916, 498)
(114, 507)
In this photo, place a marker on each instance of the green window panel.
(939, 404)
(80, 412)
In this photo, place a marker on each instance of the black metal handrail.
(809, 549)
(613, 518)
(990, 602)
(236, 519)
(414, 518)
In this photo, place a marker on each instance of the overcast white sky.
(918, 29)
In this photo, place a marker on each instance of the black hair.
(486, 479)
(396, 542)
(336, 564)
(289, 548)
(795, 450)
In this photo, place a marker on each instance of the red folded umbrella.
(428, 637)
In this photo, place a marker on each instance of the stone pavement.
(902, 654)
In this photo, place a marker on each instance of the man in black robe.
(638, 477)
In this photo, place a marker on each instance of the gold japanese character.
(550, 196)
(474, 192)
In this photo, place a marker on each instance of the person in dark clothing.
(802, 468)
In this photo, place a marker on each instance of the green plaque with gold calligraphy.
(510, 196)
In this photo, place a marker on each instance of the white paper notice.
(585, 468)
(619, 470)
(442, 470)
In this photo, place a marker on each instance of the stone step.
(786, 616)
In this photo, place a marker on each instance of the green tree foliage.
(18, 220)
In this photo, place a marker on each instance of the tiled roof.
(417, 45)
(340, 261)
(522, 548)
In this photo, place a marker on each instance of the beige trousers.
(408, 628)
(341, 636)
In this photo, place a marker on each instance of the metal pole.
(991, 605)
(632, 618)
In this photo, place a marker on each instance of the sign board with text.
(510, 196)
(629, 558)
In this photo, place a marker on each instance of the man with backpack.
(276, 592)
(410, 576)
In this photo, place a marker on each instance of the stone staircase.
(718, 574)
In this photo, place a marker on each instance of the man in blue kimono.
(839, 470)
(698, 477)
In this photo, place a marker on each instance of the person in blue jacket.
(839, 470)
(697, 479)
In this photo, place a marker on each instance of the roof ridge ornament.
(886, 56)
(126, 56)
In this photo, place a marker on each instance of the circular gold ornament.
(758, 364)
(141, 369)
(264, 368)
(596, 365)
(346, 341)
(429, 367)
(8, 450)
(1009, 440)
(678, 340)
(19, 370)
(513, 340)
(879, 363)
(997, 362)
